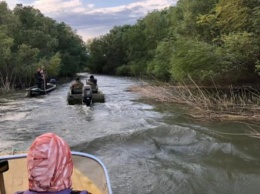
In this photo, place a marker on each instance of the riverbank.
(204, 103)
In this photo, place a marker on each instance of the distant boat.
(35, 91)
(89, 174)
(86, 95)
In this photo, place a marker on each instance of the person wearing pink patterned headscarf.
(49, 166)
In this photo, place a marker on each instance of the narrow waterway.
(146, 147)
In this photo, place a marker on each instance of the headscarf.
(49, 164)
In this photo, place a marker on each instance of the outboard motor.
(87, 95)
(52, 81)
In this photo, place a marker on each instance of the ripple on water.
(6, 144)
(146, 150)
(13, 116)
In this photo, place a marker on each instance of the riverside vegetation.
(209, 49)
(28, 40)
(210, 103)
(196, 44)
(236, 104)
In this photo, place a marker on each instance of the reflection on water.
(147, 147)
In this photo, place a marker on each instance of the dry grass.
(205, 103)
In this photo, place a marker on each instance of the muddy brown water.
(147, 147)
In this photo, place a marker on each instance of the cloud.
(90, 20)
(12, 3)
(56, 7)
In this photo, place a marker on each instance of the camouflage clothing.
(77, 85)
(93, 86)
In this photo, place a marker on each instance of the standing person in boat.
(44, 76)
(38, 78)
(93, 83)
(50, 166)
(76, 85)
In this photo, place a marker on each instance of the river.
(147, 147)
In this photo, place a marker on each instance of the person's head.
(39, 69)
(49, 164)
(91, 77)
(77, 79)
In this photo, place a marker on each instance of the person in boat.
(93, 83)
(50, 166)
(92, 79)
(76, 85)
(39, 78)
(44, 76)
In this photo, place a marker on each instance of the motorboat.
(35, 91)
(85, 95)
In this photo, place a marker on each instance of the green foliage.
(155, 30)
(138, 68)
(25, 63)
(26, 55)
(160, 65)
(238, 55)
(255, 19)
(5, 44)
(115, 54)
(193, 59)
(257, 65)
(71, 48)
(204, 39)
(232, 15)
(29, 39)
(52, 66)
(135, 42)
(124, 70)
(8, 19)
(239, 47)
(97, 51)
(184, 17)
(228, 16)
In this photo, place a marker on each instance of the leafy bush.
(238, 56)
(123, 70)
(195, 59)
(160, 65)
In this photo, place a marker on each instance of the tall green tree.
(25, 64)
(5, 56)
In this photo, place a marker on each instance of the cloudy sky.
(92, 18)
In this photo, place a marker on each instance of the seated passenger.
(49, 166)
(93, 83)
(76, 86)
(92, 79)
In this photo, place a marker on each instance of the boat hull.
(89, 173)
(78, 98)
(35, 91)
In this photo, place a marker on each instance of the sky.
(92, 18)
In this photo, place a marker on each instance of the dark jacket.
(38, 77)
(93, 80)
